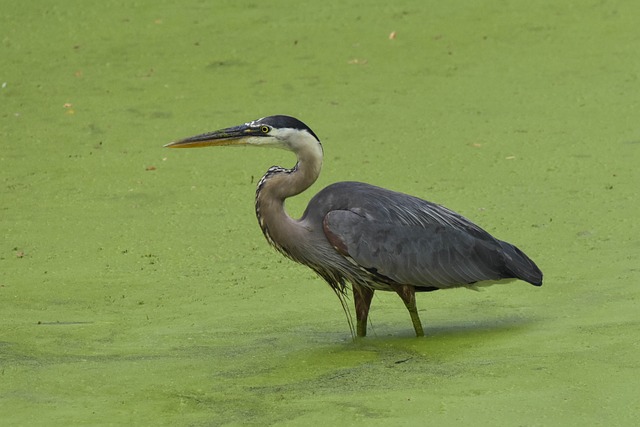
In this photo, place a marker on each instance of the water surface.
(137, 289)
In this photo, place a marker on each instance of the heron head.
(274, 131)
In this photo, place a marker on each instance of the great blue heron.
(376, 239)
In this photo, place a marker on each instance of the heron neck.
(274, 188)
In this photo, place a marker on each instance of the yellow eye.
(265, 129)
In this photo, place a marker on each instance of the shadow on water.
(311, 370)
(444, 343)
(501, 325)
(440, 333)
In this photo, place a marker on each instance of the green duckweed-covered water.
(136, 287)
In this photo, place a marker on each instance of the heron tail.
(520, 266)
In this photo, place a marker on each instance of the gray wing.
(431, 254)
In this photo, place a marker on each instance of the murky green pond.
(136, 287)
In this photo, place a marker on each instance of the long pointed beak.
(236, 135)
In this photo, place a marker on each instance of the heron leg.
(408, 296)
(362, 297)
